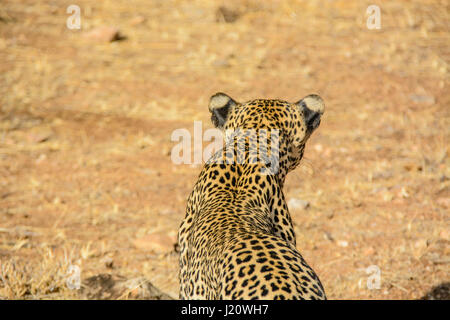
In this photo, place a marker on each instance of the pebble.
(443, 202)
(342, 243)
(104, 34)
(137, 20)
(159, 242)
(298, 204)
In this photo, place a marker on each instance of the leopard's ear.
(312, 107)
(220, 106)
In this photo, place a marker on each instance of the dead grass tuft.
(85, 129)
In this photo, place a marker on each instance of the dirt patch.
(85, 137)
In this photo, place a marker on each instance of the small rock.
(342, 243)
(425, 99)
(439, 292)
(445, 234)
(369, 251)
(404, 193)
(381, 175)
(39, 135)
(318, 147)
(443, 202)
(421, 244)
(113, 287)
(104, 34)
(412, 167)
(137, 20)
(298, 204)
(22, 232)
(159, 242)
(387, 196)
(109, 262)
(221, 63)
(328, 236)
(42, 157)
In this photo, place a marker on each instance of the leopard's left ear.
(220, 105)
(312, 107)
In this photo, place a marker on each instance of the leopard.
(237, 240)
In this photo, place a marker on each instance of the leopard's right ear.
(220, 106)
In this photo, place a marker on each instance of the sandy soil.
(86, 179)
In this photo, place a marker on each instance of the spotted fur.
(237, 240)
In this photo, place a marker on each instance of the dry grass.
(47, 279)
(85, 131)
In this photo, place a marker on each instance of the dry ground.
(86, 177)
